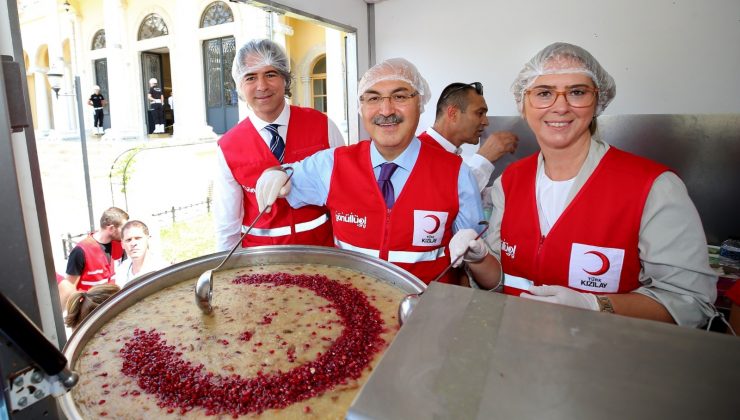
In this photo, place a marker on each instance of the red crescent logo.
(436, 221)
(604, 264)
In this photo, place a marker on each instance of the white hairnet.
(395, 69)
(152, 81)
(257, 54)
(96, 87)
(562, 58)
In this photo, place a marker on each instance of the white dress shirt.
(481, 167)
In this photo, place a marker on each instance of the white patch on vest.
(361, 222)
(595, 268)
(429, 227)
(94, 272)
(509, 250)
(249, 189)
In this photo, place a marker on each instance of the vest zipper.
(538, 260)
(386, 233)
(539, 244)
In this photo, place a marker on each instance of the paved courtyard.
(162, 174)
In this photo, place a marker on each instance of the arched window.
(318, 85)
(99, 40)
(152, 26)
(216, 13)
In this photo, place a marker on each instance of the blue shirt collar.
(405, 160)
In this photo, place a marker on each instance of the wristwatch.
(605, 305)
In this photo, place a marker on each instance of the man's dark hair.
(113, 217)
(455, 94)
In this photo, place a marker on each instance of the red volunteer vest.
(116, 251)
(248, 156)
(415, 233)
(427, 139)
(98, 267)
(593, 245)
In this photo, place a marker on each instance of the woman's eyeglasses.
(577, 97)
(478, 86)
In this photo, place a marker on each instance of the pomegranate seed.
(160, 370)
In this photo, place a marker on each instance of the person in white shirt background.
(461, 119)
(140, 260)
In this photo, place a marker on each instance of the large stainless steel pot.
(289, 254)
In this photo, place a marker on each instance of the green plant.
(188, 239)
(123, 166)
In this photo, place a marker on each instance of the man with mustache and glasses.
(274, 132)
(392, 196)
(460, 119)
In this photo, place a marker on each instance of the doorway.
(155, 64)
(222, 111)
(101, 79)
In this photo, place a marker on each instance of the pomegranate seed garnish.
(160, 370)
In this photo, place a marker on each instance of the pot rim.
(191, 269)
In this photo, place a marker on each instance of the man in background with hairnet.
(391, 197)
(273, 133)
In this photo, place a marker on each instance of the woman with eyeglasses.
(584, 224)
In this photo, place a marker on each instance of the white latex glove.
(464, 240)
(270, 187)
(562, 296)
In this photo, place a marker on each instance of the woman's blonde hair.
(80, 304)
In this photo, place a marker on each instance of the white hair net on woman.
(395, 69)
(257, 54)
(561, 58)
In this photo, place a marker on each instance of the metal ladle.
(409, 302)
(204, 286)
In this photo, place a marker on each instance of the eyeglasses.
(373, 100)
(577, 97)
(478, 86)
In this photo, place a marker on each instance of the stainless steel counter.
(467, 354)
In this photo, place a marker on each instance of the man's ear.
(452, 113)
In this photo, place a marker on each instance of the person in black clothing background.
(97, 101)
(155, 98)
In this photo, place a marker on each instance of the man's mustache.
(387, 119)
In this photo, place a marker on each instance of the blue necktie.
(277, 144)
(385, 185)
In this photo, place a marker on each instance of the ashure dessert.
(283, 341)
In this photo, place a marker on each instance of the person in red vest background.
(274, 132)
(92, 261)
(392, 196)
(584, 224)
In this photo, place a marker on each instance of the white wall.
(667, 56)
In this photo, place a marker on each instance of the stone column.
(63, 105)
(125, 118)
(41, 90)
(306, 99)
(187, 77)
